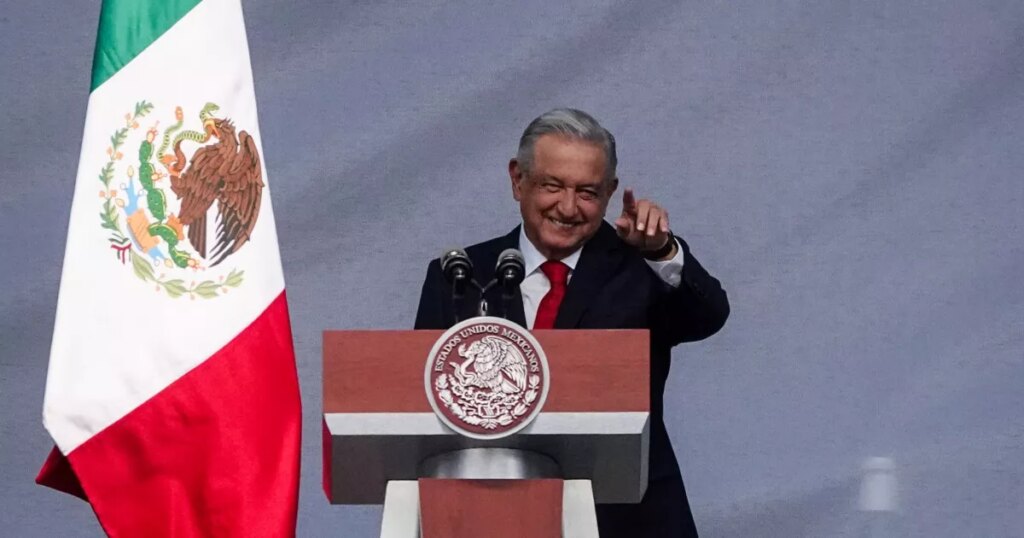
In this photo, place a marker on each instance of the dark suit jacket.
(612, 287)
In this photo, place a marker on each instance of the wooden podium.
(382, 442)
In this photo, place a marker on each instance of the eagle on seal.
(228, 172)
(497, 365)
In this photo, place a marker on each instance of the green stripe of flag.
(127, 27)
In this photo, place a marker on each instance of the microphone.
(510, 270)
(509, 273)
(457, 269)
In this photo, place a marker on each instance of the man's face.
(564, 197)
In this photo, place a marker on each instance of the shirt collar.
(533, 258)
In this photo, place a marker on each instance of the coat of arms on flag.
(161, 185)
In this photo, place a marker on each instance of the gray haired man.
(583, 273)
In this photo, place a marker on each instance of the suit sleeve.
(693, 311)
(432, 311)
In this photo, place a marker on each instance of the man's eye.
(588, 195)
(552, 187)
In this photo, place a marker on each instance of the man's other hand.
(644, 224)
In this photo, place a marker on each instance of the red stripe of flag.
(216, 453)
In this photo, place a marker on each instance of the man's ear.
(515, 174)
(613, 184)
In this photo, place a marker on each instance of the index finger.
(628, 201)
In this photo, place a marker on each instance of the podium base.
(403, 509)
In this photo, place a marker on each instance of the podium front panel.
(378, 424)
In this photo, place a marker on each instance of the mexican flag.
(172, 395)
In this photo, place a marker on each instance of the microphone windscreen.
(511, 255)
(453, 259)
(511, 267)
(452, 253)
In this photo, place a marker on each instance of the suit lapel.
(599, 260)
(516, 313)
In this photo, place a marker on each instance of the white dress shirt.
(536, 284)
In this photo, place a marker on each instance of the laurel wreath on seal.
(471, 403)
(119, 241)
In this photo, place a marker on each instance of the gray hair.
(573, 124)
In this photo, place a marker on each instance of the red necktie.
(558, 275)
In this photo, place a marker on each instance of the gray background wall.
(849, 170)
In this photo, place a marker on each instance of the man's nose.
(567, 203)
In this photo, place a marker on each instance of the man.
(583, 273)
